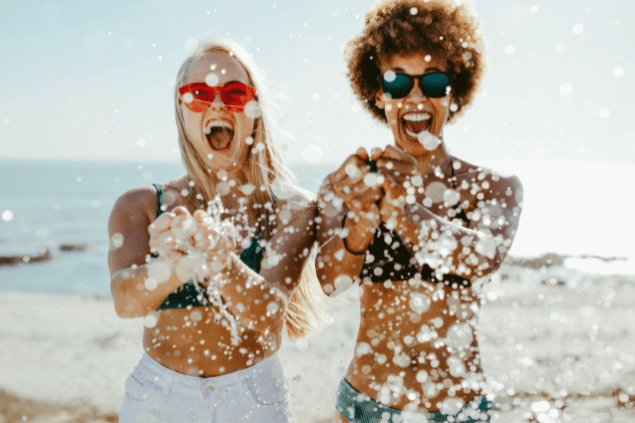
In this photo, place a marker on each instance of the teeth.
(217, 124)
(416, 117)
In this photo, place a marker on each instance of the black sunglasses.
(399, 85)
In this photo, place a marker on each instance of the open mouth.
(416, 123)
(219, 134)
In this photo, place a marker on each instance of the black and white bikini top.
(388, 259)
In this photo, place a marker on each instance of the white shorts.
(157, 394)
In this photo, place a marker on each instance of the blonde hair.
(307, 308)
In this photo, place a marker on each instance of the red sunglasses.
(234, 95)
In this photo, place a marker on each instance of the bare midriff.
(195, 342)
(416, 345)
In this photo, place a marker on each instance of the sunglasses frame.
(201, 102)
(411, 84)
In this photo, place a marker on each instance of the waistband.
(164, 377)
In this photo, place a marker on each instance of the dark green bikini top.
(187, 294)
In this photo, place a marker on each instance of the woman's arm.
(348, 216)
(137, 285)
(258, 301)
(465, 252)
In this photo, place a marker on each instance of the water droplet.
(578, 28)
(316, 97)
(211, 80)
(141, 142)
(604, 112)
(566, 89)
(302, 344)
(414, 11)
(7, 215)
(6, 120)
(390, 76)
(533, 9)
(252, 109)
(150, 321)
(618, 72)
(510, 49)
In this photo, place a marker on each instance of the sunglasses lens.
(435, 85)
(237, 94)
(396, 85)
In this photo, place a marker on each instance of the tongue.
(220, 138)
(416, 126)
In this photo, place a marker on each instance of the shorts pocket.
(269, 389)
(140, 389)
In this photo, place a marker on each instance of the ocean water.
(570, 208)
(47, 203)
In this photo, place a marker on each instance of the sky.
(91, 80)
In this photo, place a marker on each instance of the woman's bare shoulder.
(138, 204)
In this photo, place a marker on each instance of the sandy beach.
(557, 346)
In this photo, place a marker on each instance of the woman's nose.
(416, 93)
(217, 103)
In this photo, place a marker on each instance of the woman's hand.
(360, 189)
(215, 241)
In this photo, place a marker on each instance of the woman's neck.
(436, 163)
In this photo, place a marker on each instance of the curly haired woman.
(419, 229)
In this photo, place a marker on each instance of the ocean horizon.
(45, 204)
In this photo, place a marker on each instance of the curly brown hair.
(441, 28)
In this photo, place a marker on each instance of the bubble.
(422, 376)
(97, 43)
(427, 58)
(116, 241)
(316, 97)
(247, 189)
(211, 79)
(451, 197)
(540, 406)
(252, 109)
(190, 44)
(566, 89)
(302, 344)
(362, 348)
(419, 303)
(128, 42)
(416, 181)
(533, 9)
(150, 284)
(188, 97)
(150, 320)
(141, 142)
(272, 307)
(460, 336)
(159, 271)
(249, 140)
(414, 11)
(312, 153)
(6, 120)
(434, 191)
(429, 141)
(492, 296)
(510, 49)
(618, 72)
(604, 112)
(223, 188)
(342, 283)
(578, 28)
(7, 215)
(390, 76)
(371, 179)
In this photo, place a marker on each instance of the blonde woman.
(418, 228)
(216, 286)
